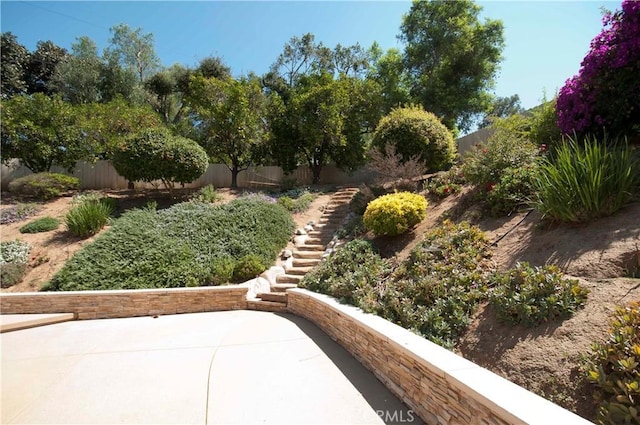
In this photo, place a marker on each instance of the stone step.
(260, 305)
(287, 278)
(274, 297)
(325, 227)
(306, 262)
(299, 271)
(310, 247)
(325, 239)
(307, 254)
(282, 287)
(330, 221)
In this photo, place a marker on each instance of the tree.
(451, 58)
(13, 65)
(157, 155)
(134, 50)
(42, 131)
(229, 115)
(117, 81)
(42, 65)
(388, 72)
(107, 125)
(502, 107)
(78, 77)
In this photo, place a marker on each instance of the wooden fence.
(102, 175)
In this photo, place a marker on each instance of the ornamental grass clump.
(531, 295)
(89, 217)
(613, 366)
(395, 214)
(582, 182)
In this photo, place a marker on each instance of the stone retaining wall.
(438, 385)
(126, 303)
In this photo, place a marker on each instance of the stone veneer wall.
(438, 385)
(126, 303)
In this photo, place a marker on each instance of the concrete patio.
(230, 367)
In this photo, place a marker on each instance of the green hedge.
(189, 244)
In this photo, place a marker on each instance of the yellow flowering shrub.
(395, 214)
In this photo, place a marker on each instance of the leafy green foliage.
(13, 261)
(44, 185)
(505, 168)
(435, 291)
(13, 64)
(296, 201)
(189, 244)
(17, 213)
(447, 183)
(230, 115)
(42, 131)
(208, 194)
(451, 58)
(358, 204)
(432, 293)
(533, 295)
(581, 183)
(394, 214)
(88, 217)
(157, 155)
(413, 132)
(44, 224)
(613, 366)
(248, 267)
(351, 275)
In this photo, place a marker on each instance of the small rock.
(331, 244)
(308, 228)
(311, 223)
(286, 253)
(300, 232)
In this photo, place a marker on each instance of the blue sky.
(545, 40)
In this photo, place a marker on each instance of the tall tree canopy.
(451, 58)
(134, 50)
(229, 119)
(42, 65)
(13, 66)
(78, 77)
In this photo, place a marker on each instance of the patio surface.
(231, 367)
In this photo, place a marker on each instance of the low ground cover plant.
(188, 244)
(584, 181)
(297, 200)
(447, 182)
(532, 295)
(13, 261)
(44, 224)
(395, 214)
(44, 186)
(613, 366)
(207, 194)
(18, 213)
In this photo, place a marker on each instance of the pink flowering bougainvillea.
(605, 95)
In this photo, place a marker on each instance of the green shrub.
(613, 367)
(413, 132)
(515, 190)
(157, 155)
(184, 245)
(248, 267)
(447, 182)
(351, 274)
(435, 290)
(297, 201)
(221, 270)
(208, 194)
(395, 213)
(581, 183)
(18, 213)
(544, 125)
(359, 201)
(44, 224)
(88, 217)
(533, 295)
(44, 185)
(13, 261)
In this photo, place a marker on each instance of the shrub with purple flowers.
(606, 93)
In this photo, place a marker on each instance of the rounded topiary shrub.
(414, 132)
(44, 185)
(158, 155)
(394, 214)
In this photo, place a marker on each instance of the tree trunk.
(316, 169)
(234, 176)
